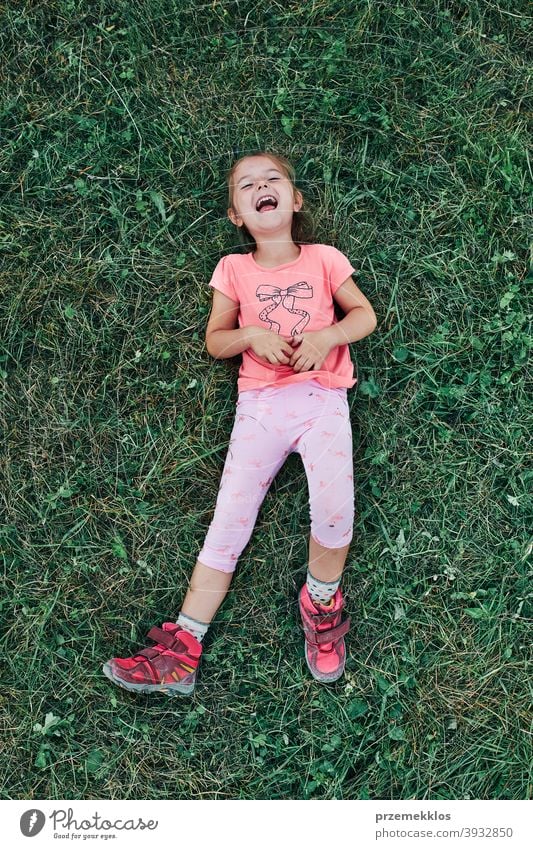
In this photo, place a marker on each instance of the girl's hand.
(313, 348)
(270, 346)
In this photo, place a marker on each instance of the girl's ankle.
(193, 626)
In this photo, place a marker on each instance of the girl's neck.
(272, 254)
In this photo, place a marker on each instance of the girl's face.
(257, 177)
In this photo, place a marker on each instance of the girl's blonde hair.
(303, 227)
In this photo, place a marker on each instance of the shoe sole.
(167, 689)
(323, 677)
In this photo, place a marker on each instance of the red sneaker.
(169, 667)
(325, 652)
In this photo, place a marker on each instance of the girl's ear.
(235, 219)
(298, 200)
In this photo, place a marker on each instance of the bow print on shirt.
(286, 297)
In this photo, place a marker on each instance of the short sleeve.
(340, 269)
(223, 279)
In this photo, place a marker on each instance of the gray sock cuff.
(326, 583)
(196, 622)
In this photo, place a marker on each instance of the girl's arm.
(223, 338)
(360, 319)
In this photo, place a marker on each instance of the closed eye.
(247, 186)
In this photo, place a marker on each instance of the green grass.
(407, 126)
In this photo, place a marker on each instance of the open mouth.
(266, 204)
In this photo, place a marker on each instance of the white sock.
(321, 591)
(193, 626)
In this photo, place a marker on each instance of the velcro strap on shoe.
(159, 636)
(319, 638)
(148, 653)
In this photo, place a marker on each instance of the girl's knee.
(332, 525)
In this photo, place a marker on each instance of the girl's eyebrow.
(247, 177)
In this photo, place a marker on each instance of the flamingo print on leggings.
(286, 297)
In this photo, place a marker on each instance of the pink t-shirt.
(296, 297)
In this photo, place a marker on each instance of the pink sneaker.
(169, 667)
(325, 652)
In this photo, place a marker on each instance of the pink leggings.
(270, 423)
